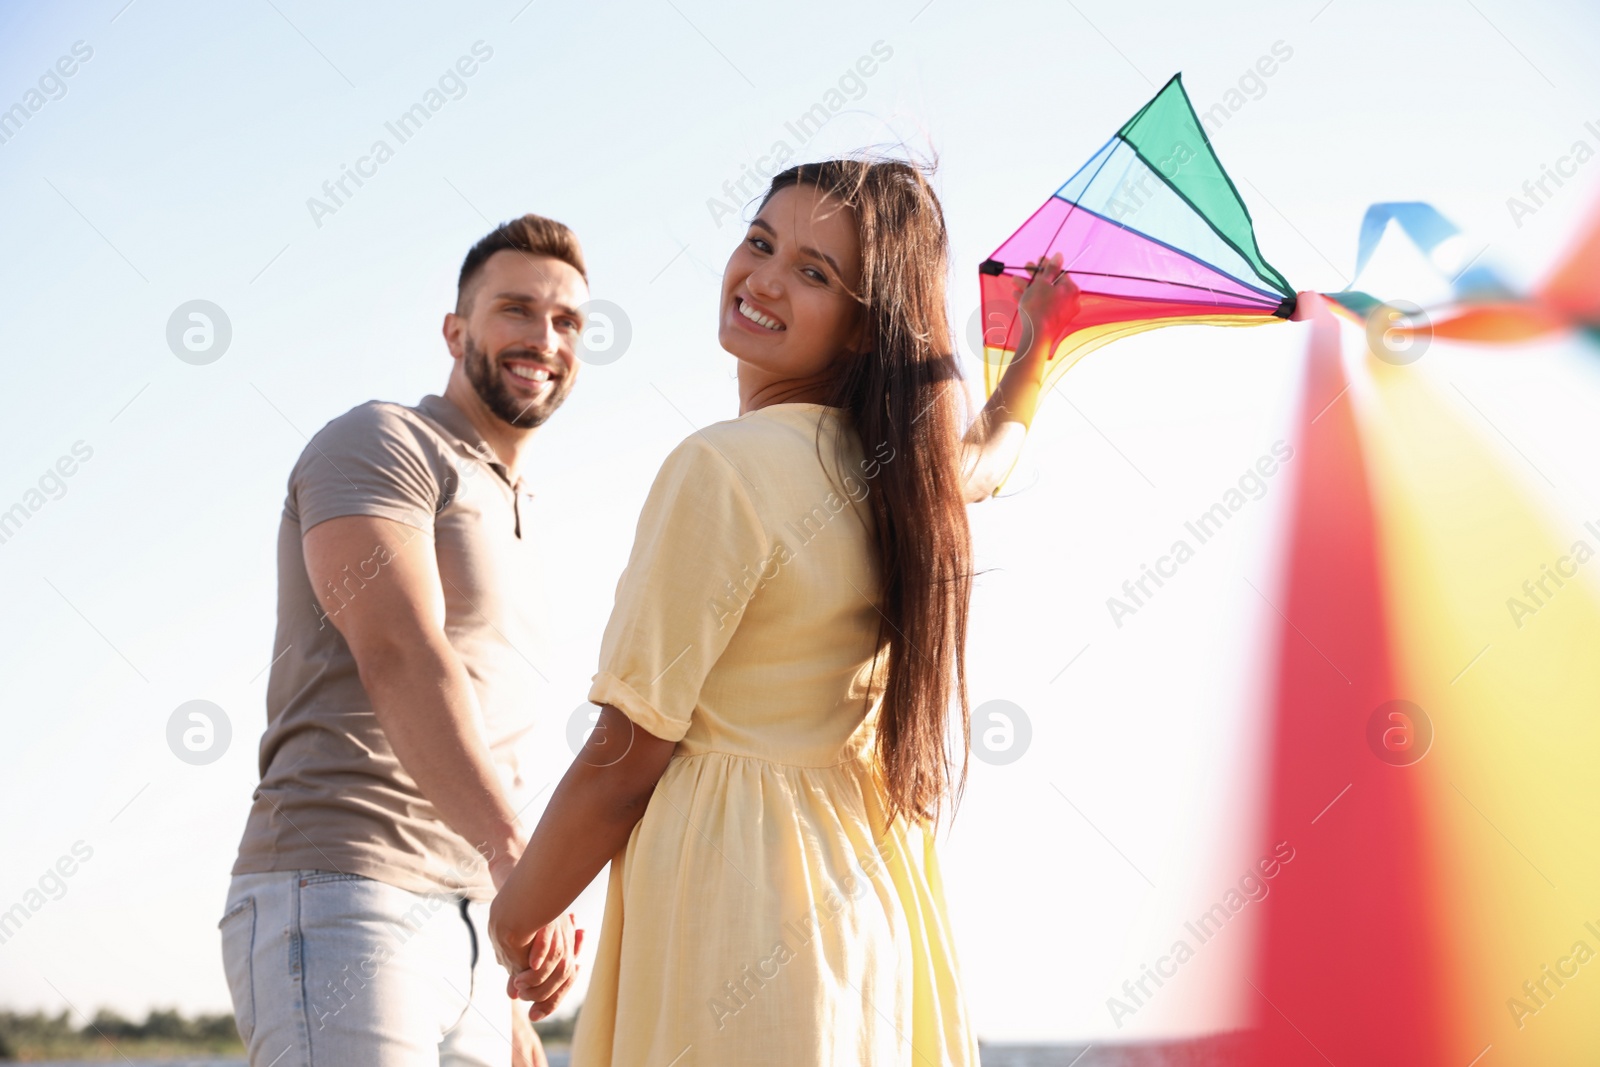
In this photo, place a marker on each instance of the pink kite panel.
(1103, 257)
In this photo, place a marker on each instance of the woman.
(777, 674)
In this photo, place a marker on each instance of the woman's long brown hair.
(905, 390)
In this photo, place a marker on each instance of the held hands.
(546, 984)
(1049, 301)
(542, 965)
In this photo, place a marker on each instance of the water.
(1218, 1050)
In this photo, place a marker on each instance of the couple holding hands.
(776, 682)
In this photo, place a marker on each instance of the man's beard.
(484, 374)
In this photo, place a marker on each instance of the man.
(354, 931)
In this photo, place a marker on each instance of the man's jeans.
(337, 969)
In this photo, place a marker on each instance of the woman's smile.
(764, 321)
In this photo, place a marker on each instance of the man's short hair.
(532, 235)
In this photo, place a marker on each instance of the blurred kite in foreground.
(1482, 307)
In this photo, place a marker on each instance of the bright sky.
(175, 164)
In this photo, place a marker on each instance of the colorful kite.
(1431, 729)
(1151, 230)
(1154, 233)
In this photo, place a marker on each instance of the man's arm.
(420, 692)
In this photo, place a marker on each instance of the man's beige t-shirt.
(332, 794)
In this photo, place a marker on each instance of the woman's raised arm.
(1047, 304)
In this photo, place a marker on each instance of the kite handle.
(995, 268)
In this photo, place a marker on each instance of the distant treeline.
(36, 1033)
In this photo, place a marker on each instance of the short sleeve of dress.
(698, 546)
(372, 460)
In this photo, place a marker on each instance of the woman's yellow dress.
(764, 911)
